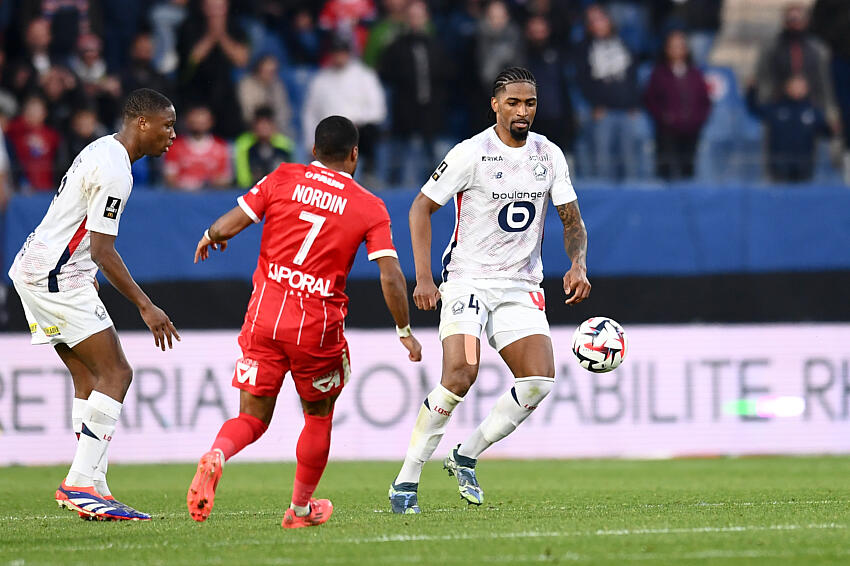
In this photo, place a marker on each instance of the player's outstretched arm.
(228, 225)
(426, 294)
(575, 243)
(394, 288)
(106, 257)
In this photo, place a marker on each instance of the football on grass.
(600, 344)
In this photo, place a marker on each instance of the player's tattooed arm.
(575, 244)
(575, 234)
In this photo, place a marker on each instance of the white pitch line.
(401, 537)
(624, 506)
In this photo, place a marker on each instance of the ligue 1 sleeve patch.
(439, 171)
(113, 205)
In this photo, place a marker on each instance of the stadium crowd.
(625, 87)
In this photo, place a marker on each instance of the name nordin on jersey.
(318, 198)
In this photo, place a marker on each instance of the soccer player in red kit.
(316, 216)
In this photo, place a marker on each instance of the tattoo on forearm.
(575, 234)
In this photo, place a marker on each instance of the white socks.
(510, 410)
(78, 408)
(99, 417)
(429, 429)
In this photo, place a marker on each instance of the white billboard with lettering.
(679, 392)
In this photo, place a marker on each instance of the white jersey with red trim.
(91, 197)
(501, 194)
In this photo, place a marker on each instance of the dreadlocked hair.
(512, 75)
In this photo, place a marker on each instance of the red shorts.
(318, 373)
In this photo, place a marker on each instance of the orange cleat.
(320, 512)
(202, 491)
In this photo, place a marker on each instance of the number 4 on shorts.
(473, 303)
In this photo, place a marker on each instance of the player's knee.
(459, 380)
(529, 392)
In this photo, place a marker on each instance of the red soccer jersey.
(315, 220)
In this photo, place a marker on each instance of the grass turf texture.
(725, 511)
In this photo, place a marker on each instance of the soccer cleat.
(140, 516)
(404, 499)
(320, 512)
(467, 483)
(92, 506)
(202, 491)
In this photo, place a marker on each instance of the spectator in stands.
(677, 99)
(608, 81)
(35, 144)
(198, 159)
(793, 123)
(417, 70)
(498, 44)
(467, 116)
(302, 38)
(261, 150)
(211, 44)
(5, 175)
(348, 19)
(831, 22)
(699, 19)
(263, 88)
(166, 16)
(102, 89)
(35, 61)
(84, 129)
(555, 118)
(6, 95)
(140, 72)
(121, 22)
(385, 31)
(795, 51)
(68, 19)
(560, 17)
(347, 87)
(63, 94)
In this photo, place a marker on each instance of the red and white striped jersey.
(501, 194)
(91, 197)
(315, 220)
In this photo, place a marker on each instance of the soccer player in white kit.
(501, 181)
(54, 275)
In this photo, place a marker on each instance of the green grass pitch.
(776, 511)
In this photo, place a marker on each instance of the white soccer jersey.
(501, 194)
(91, 197)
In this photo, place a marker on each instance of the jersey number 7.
(317, 222)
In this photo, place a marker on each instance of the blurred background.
(709, 142)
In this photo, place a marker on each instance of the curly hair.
(144, 101)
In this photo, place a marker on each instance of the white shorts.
(66, 317)
(506, 312)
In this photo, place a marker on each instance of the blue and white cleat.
(463, 469)
(404, 499)
(92, 506)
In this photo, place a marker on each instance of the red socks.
(238, 433)
(311, 452)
